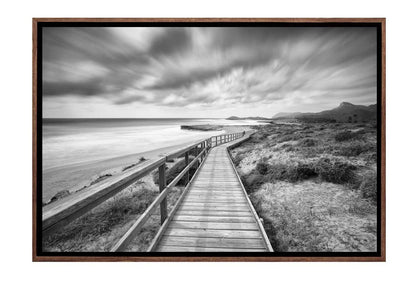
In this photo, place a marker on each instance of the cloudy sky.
(205, 72)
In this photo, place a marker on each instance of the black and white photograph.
(212, 138)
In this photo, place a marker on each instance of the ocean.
(68, 142)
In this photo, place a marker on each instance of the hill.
(247, 118)
(345, 112)
(286, 115)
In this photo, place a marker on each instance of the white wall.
(15, 102)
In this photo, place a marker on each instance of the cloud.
(210, 67)
(172, 40)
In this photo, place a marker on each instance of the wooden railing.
(64, 211)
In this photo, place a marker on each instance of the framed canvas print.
(208, 139)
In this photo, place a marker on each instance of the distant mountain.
(286, 114)
(345, 112)
(247, 118)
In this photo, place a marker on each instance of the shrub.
(335, 171)
(368, 185)
(142, 159)
(128, 167)
(277, 172)
(355, 149)
(262, 167)
(101, 178)
(237, 159)
(61, 194)
(174, 171)
(307, 142)
(290, 148)
(253, 181)
(291, 173)
(282, 172)
(285, 138)
(360, 125)
(344, 136)
(98, 229)
(371, 157)
(255, 138)
(304, 171)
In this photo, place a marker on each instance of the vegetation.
(102, 227)
(344, 136)
(335, 171)
(314, 185)
(142, 159)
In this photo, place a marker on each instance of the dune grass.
(102, 227)
(313, 185)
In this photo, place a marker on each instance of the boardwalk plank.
(215, 225)
(214, 208)
(215, 215)
(215, 233)
(213, 218)
(206, 242)
(205, 249)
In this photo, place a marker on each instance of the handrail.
(62, 212)
(129, 235)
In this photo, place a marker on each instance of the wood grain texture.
(205, 249)
(212, 207)
(208, 242)
(134, 229)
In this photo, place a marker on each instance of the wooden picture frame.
(38, 255)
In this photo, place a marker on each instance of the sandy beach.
(76, 176)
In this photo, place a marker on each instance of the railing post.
(162, 186)
(196, 154)
(186, 164)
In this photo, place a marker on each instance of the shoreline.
(77, 176)
(74, 177)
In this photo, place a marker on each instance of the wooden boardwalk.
(215, 214)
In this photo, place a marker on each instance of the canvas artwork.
(176, 139)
